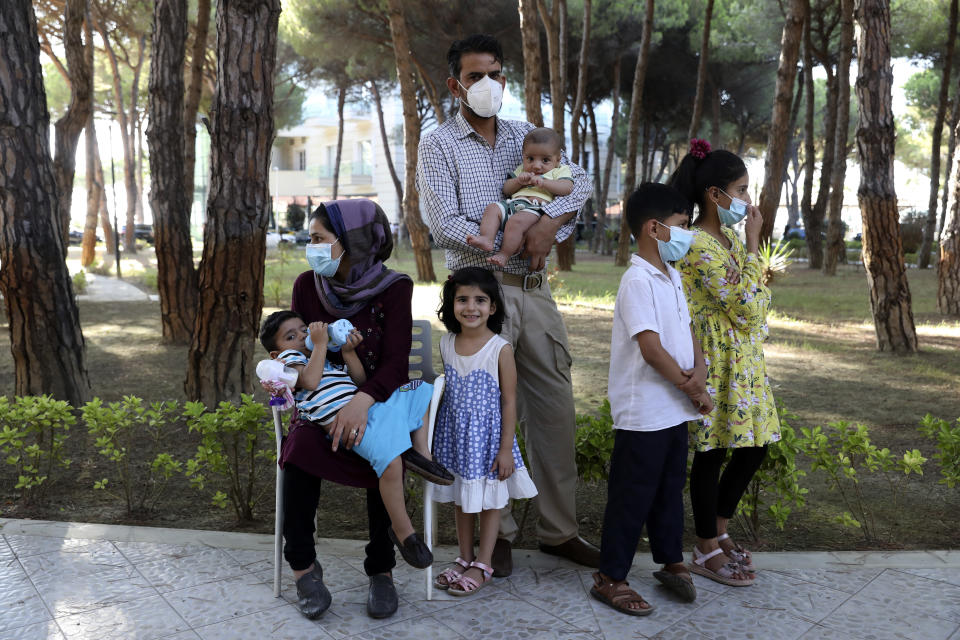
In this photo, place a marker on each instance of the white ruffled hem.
(482, 494)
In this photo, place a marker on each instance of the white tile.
(24, 546)
(505, 616)
(20, 603)
(180, 572)
(418, 629)
(6, 553)
(279, 623)
(253, 560)
(43, 566)
(142, 619)
(950, 576)
(216, 601)
(347, 616)
(69, 594)
(848, 580)
(774, 591)
(886, 618)
(183, 635)
(915, 594)
(143, 552)
(723, 618)
(560, 592)
(48, 630)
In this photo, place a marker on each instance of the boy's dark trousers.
(648, 470)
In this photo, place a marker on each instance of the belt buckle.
(532, 281)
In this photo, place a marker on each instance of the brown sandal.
(618, 595)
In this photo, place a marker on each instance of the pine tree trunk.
(532, 83)
(375, 90)
(633, 131)
(936, 136)
(88, 251)
(836, 248)
(109, 237)
(169, 199)
(341, 100)
(577, 111)
(68, 127)
(419, 233)
(222, 357)
(552, 20)
(951, 149)
(876, 134)
(783, 100)
(809, 150)
(701, 73)
(45, 338)
(608, 162)
(948, 269)
(194, 92)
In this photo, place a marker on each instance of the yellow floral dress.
(731, 322)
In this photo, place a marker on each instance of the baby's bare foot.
(499, 259)
(484, 244)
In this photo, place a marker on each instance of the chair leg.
(278, 535)
(429, 516)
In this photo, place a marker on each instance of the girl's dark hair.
(320, 213)
(471, 277)
(693, 176)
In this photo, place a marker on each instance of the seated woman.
(349, 240)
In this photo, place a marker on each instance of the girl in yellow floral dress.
(729, 304)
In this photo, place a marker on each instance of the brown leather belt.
(527, 282)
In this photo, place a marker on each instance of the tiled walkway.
(72, 581)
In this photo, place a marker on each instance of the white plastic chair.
(421, 367)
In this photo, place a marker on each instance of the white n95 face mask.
(484, 97)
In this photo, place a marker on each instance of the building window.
(302, 160)
(363, 158)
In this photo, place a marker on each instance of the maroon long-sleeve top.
(386, 324)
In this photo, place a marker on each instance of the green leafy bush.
(845, 453)
(79, 282)
(133, 438)
(33, 430)
(774, 260)
(911, 231)
(776, 485)
(237, 449)
(947, 437)
(594, 444)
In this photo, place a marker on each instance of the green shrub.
(594, 444)
(295, 216)
(79, 282)
(911, 231)
(845, 453)
(947, 437)
(237, 449)
(133, 438)
(100, 268)
(774, 260)
(33, 430)
(776, 485)
(149, 280)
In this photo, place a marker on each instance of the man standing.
(461, 168)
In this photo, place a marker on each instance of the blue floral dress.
(466, 438)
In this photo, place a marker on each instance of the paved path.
(111, 289)
(68, 581)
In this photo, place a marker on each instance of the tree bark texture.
(532, 82)
(69, 126)
(88, 250)
(778, 136)
(221, 360)
(809, 148)
(341, 100)
(876, 133)
(45, 338)
(951, 149)
(551, 23)
(608, 162)
(633, 131)
(194, 92)
(836, 248)
(582, 61)
(419, 234)
(701, 73)
(375, 90)
(169, 199)
(948, 268)
(930, 227)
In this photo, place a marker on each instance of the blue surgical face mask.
(678, 244)
(321, 260)
(733, 215)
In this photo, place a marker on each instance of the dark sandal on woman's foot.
(681, 584)
(618, 595)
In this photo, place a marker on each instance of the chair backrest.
(421, 352)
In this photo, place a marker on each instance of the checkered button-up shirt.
(459, 174)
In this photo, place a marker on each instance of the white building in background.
(304, 156)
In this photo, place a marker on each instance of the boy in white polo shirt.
(656, 384)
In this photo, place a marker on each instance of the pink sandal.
(724, 575)
(467, 586)
(450, 574)
(738, 554)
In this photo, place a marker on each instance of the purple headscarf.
(364, 230)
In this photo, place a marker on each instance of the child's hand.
(354, 338)
(525, 178)
(703, 403)
(536, 181)
(320, 337)
(503, 464)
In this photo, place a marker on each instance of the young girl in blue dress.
(474, 435)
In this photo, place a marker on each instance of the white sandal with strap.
(738, 554)
(467, 586)
(723, 575)
(450, 574)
